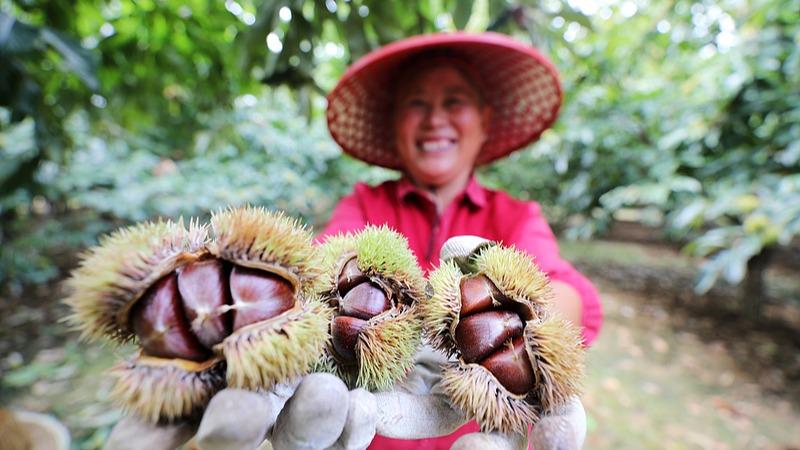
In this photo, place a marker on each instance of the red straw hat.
(519, 84)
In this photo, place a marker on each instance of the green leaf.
(461, 13)
(76, 58)
(16, 37)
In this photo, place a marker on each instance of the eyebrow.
(448, 90)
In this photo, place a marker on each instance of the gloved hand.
(417, 408)
(316, 413)
(320, 413)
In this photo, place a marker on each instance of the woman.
(434, 107)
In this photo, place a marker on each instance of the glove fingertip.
(235, 419)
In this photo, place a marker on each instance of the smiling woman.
(440, 126)
(435, 107)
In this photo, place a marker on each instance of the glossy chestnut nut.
(158, 320)
(258, 295)
(345, 331)
(364, 301)
(186, 313)
(484, 334)
(359, 301)
(477, 294)
(479, 335)
(512, 367)
(204, 289)
(350, 276)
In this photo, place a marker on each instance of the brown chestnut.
(159, 322)
(512, 367)
(344, 331)
(350, 276)
(258, 295)
(477, 294)
(479, 335)
(364, 301)
(204, 289)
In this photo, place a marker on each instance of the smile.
(436, 145)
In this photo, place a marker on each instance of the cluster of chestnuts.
(514, 359)
(249, 302)
(228, 306)
(374, 284)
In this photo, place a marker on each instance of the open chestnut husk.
(208, 311)
(514, 360)
(374, 284)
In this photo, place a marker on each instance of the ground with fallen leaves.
(669, 370)
(652, 385)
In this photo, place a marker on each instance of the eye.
(416, 103)
(454, 101)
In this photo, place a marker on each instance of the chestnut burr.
(208, 310)
(374, 284)
(490, 309)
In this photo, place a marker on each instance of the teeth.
(435, 146)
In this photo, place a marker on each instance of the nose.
(436, 116)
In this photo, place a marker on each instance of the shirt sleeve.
(535, 237)
(347, 216)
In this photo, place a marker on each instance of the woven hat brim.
(524, 93)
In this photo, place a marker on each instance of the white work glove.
(320, 413)
(418, 408)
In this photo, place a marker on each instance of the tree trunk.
(753, 289)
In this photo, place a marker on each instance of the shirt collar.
(474, 192)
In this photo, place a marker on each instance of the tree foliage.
(680, 114)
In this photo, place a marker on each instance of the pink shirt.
(477, 211)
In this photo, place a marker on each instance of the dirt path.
(651, 385)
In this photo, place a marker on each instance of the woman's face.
(440, 126)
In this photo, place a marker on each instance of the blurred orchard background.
(672, 178)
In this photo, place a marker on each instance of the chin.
(434, 179)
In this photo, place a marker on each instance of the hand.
(433, 415)
(320, 413)
(565, 429)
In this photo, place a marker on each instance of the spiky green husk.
(328, 364)
(332, 254)
(386, 348)
(441, 311)
(516, 275)
(556, 352)
(382, 254)
(553, 346)
(114, 274)
(261, 239)
(276, 350)
(161, 390)
(385, 253)
(473, 389)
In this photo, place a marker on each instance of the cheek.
(471, 126)
(404, 127)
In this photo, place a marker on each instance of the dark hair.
(439, 58)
